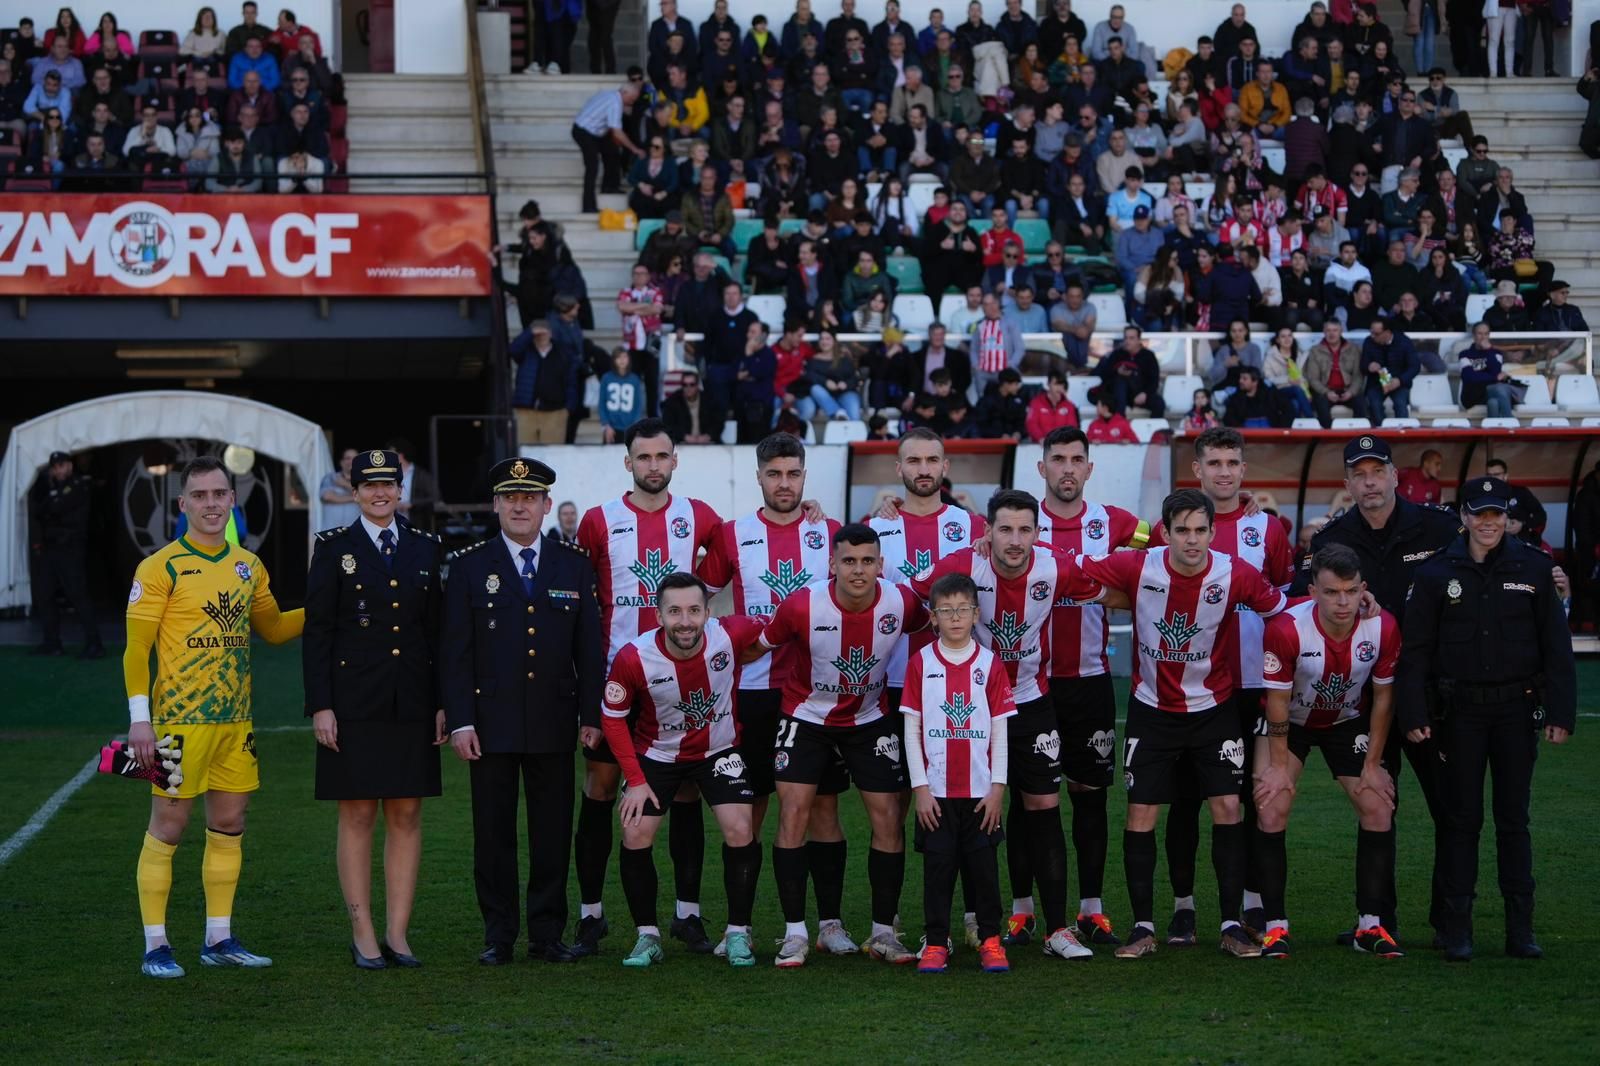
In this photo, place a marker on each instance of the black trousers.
(1589, 141)
(1502, 740)
(599, 153)
(61, 571)
(602, 16)
(959, 848)
(547, 782)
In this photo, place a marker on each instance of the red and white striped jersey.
(841, 657)
(765, 563)
(1326, 677)
(1260, 541)
(958, 703)
(1078, 629)
(911, 544)
(632, 550)
(1014, 613)
(686, 706)
(1186, 646)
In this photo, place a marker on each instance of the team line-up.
(934, 658)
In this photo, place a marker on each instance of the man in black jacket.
(1002, 412)
(521, 665)
(726, 331)
(691, 416)
(1254, 407)
(58, 506)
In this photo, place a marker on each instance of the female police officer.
(1485, 666)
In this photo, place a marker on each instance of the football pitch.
(72, 990)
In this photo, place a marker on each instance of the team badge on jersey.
(615, 693)
(719, 661)
(1039, 591)
(348, 564)
(953, 532)
(814, 539)
(977, 676)
(1094, 529)
(491, 584)
(1366, 651)
(1251, 536)
(887, 623)
(780, 761)
(680, 527)
(243, 570)
(1270, 663)
(135, 593)
(1214, 594)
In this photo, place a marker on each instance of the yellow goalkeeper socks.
(154, 878)
(219, 872)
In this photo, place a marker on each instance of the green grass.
(72, 992)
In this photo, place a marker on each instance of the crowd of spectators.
(252, 109)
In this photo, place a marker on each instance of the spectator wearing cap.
(1559, 316)
(1264, 104)
(1136, 247)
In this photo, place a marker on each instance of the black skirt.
(379, 760)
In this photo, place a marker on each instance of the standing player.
(1258, 539)
(195, 602)
(1080, 682)
(1320, 656)
(634, 541)
(768, 556)
(681, 677)
(1180, 713)
(1018, 586)
(843, 632)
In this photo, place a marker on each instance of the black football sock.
(1019, 864)
(591, 848)
(886, 874)
(826, 859)
(1227, 859)
(1183, 845)
(686, 842)
(1139, 868)
(1374, 875)
(639, 884)
(1090, 838)
(789, 870)
(1272, 867)
(1050, 865)
(740, 868)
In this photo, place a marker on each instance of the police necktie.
(527, 571)
(386, 544)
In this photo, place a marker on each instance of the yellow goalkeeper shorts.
(216, 758)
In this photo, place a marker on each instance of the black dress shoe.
(408, 962)
(497, 955)
(1458, 949)
(364, 963)
(692, 931)
(586, 939)
(552, 951)
(1524, 949)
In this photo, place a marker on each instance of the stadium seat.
(1590, 423)
(1273, 156)
(788, 226)
(1199, 191)
(919, 197)
(1537, 400)
(1393, 422)
(1111, 314)
(1178, 390)
(721, 263)
(647, 226)
(1078, 388)
(980, 225)
(1035, 234)
(1451, 423)
(1500, 423)
(1575, 393)
(907, 273)
(338, 118)
(769, 309)
(338, 155)
(1477, 304)
(730, 432)
(163, 71)
(1454, 156)
(1550, 423)
(914, 312)
(1147, 429)
(949, 304)
(843, 432)
(744, 231)
(1352, 423)
(1306, 423)
(1430, 395)
(158, 44)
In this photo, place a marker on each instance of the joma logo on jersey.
(786, 582)
(913, 567)
(650, 572)
(856, 665)
(1331, 693)
(699, 709)
(958, 710)
(225, 611)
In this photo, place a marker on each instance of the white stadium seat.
(1273, 156)
(1537, 400)
(1430, 394)
(1590, 423)
(1402, 423)
(1451, 423)
(730, 432)
(1500, 423)
(920, 196)
(1551, 423)
(1078, 386)
(914, 312)
(949, 304)
(769, 309)
(1352, 423)
(1454, 156)
(1110, 314)
(844, 432)
(1147, 428)
(1178, 391)
(1306, 423)
(1577, 394)
(1477, 304)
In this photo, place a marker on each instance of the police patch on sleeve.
(135, 592)
(1270, 663)
(615, 693)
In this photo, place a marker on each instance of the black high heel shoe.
(408, 962)
(364, 963)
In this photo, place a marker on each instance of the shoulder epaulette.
(572, 546)
(423, 533)
(329, 534)
(468, 550)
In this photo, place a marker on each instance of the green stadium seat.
(721, 263)
(791, 225)
(745, 230)
(907, 273)
(980, 225)
(647, 226)
(1035, 234)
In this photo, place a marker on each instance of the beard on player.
(652, 483)
(780, 500)
(687, 636)
(923, 485)
(1066, 489)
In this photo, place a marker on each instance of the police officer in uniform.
(1486, 666)
(1392, 537)
(522, 665)
(59, 508)
(373, 607)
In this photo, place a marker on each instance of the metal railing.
(499, 364)
(131, 182)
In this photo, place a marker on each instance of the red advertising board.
(112, 245)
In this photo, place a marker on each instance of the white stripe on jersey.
(1085, 656)
(1014, 616)
(1176, 639)
(632, 551)
(774, 562)
(913, 543)
(958, 703)
(1250, 544)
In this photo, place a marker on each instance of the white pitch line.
(42, 816)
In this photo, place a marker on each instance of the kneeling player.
(956, 701)
(1320, 654)
(682, 678)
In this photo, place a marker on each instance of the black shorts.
(601, 753)
(1250, 706)
(1086, 715)
(804, 753)
(759, 714)
(1343, 744)
(960, 830)
(721, 779)
(1161, 744)
(1034, 749)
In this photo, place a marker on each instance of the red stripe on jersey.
(855, 632)
(1079, 631)
(913, 543)
(694, 677)
(957, 751)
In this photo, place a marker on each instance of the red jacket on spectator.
(1114, 430)
(288, 43)
(791, 364)
(1418, 487)
(993, 243)
(1045, 414)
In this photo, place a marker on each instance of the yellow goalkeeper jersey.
(202, 602)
